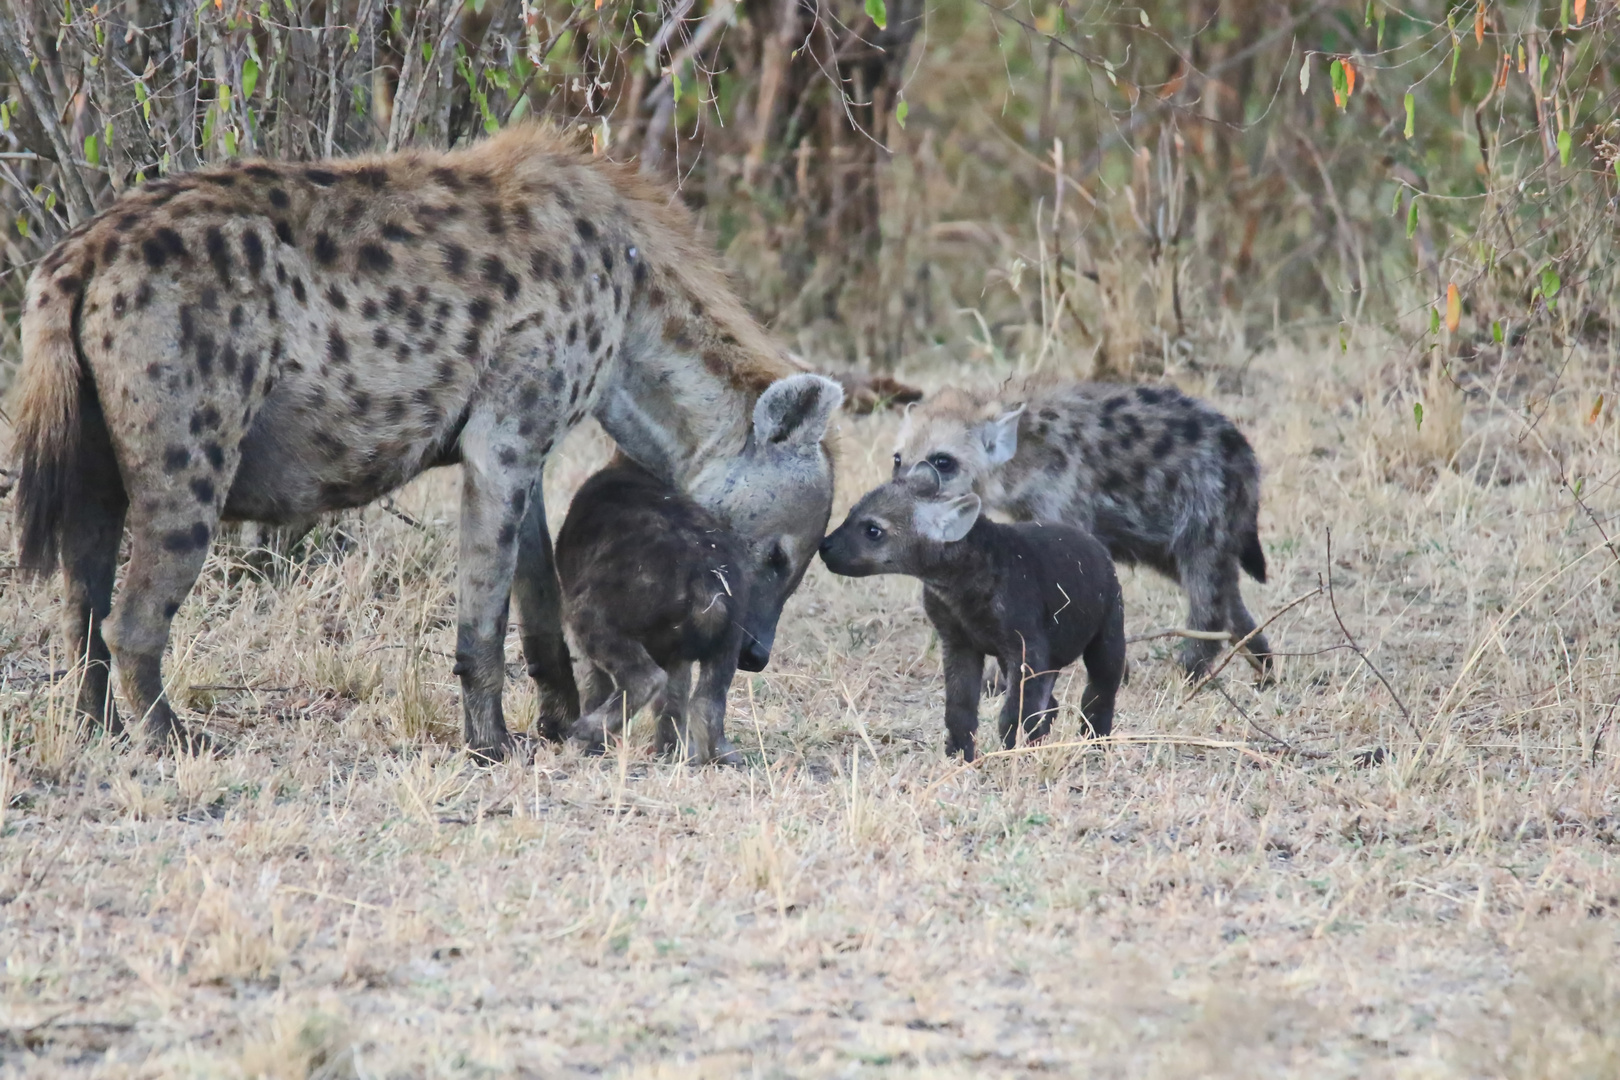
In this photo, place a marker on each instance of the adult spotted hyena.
(1159, 477)
(267, 341)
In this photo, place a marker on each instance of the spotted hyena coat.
(268, 341)
(1161, 478)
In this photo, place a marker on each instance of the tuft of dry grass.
(343, 893)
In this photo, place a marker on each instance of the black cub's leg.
(1105, 670)
(964, 672)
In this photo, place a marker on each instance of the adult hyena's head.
(961, 438)
(777, 496)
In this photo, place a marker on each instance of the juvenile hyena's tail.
(47, 419)
(1252, 558)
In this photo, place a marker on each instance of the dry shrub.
(301, 1046)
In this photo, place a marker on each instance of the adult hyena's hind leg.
(93, 524)
(167, 552)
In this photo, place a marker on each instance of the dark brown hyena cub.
(652, 583)
(1036, 597)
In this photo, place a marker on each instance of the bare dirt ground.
(1355, 892)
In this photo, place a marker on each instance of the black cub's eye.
(874, 532)
(897, 463)
(943, 464)
(778, 560)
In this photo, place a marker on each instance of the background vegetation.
(1134, 182)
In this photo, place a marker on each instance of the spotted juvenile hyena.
(1159, 477)
(267, 341)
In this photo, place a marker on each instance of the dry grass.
(344, 895)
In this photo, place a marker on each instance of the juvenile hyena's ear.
(948, 521)
(1000, 436)
(795, 411)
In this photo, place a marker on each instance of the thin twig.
(1244, 641)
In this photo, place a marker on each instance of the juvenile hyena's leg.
(1105, 670)
(670, 707)
(165, 559)
(1028, 704)
(1242, 623)
(92, 527)
(964, 670)
(598, 688)
(539, 609)
(636, 679)
(1208, 581)
(706, 712)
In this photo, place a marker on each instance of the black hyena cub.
(1036, 597)
(652, 583)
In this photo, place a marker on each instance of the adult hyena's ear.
(948, 521)
(795, 411)
(1000, 436)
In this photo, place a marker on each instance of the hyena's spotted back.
(1161, 478)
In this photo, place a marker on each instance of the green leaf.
(1496, 331)
(1456, 54)
(1563, 23)
(1541, 70)
(230, 142)
(1417, 413)
(520, 110)
(1411, 114)
(879, 13)
(1564, 145)
(1411, 219)
(1367, 20)
(22, 225)
(900, 112)
(1434, 320)
(250, 77)
(1341, 85)
(1395, 203)
(144, 99)
(675, 85)
(1550, 283)
(92, 149)
(1380, 28)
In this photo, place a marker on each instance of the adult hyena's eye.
(874, 531)
(943, 464)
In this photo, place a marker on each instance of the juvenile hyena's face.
(896, 528)
(961, 447)
(776, 496)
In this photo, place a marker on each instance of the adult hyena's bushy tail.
(47, 418)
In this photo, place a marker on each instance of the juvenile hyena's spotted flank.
(268, 341)
(1161, 478)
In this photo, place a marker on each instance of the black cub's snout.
(826, 544)
(753, 657)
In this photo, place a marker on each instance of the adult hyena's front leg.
(498, 473)
(539, 605)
